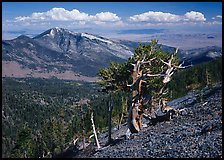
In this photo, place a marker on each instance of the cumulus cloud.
(160, 17)
(57, 14)
(194, 16)
(61, 14)
(156, 17)
(106, 16)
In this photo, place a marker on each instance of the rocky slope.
(195, 134)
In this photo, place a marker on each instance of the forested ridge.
(35, 109)
(41, 117)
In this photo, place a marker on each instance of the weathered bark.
(136, 109)
(140, 104)
(135, 112)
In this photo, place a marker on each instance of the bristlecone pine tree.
(146, 73)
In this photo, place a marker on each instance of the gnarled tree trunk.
(136, 111)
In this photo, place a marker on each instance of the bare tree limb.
(149, 61)
(153, 75)
(94, 131)
(74, 141)
(182, 67)
(176, 51)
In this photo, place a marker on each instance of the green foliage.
(195, 78)
(117, 76)
(47, 106)
(24, 146)
(53, 133)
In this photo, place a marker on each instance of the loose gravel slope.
(196, 134)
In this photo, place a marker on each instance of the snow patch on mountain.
(213, 54)
(30, 44)
(52, 33)
(93, 37)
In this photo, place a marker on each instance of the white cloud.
(61, 14)
(57, 14)
(111, 21)
(219, 16)
(155, 17)
(195, 16)
(99, 23)
(106, 16)
(161, 17)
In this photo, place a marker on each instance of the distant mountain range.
(200, 55)
(64, 54)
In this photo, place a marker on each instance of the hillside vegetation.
(41, 116)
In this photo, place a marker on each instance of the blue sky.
(111, 18)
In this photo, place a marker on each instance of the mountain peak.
(62, 30)
(58, 29)
(55, 31)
